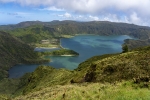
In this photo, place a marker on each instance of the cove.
(86, 45)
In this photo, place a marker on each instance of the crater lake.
(86, 45)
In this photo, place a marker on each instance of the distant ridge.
(35, 31)
(56, 22)
(13, 51)
(106, 77)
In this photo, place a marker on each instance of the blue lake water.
(86, 45)
(45, 49)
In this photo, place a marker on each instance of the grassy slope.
(34, 32)
(119, 67)
(137, 43)
(100, 69)
(14, 51)
(89, 91)
(112, 76)
(61, 52)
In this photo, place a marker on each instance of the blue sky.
(128, 11)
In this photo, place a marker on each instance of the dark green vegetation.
(14, 51)
(61, 52)
(117, 67)
(125, 48)
(137, 43)
(125, 74)
(34, 31)
(122, 76)
(35, 34)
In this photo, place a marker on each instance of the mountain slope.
(117, 67)
(14, 51)
(89, 91)
(122, 71)
(35, 31)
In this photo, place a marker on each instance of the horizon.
(124, 11)
(71, 20)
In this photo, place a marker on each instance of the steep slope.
(118, 67)
(89, 91)
(100, 74)
(35, 31)
(136, 43)
(13, 51)
(34, 34)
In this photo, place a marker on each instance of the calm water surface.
(86, 45)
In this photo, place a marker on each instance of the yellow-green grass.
(89, 91)
(67, 36)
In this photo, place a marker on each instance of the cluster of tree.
(14, 51)
(61, 52)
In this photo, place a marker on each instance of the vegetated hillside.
(124, 72)
(35, 31)
(20, 25)
(34, 34)
(117, 67)
(136, 43)
(89, 91)
(14, 51)
(61, 52)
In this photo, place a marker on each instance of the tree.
(125, 48)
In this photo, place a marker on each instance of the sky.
(127, 11)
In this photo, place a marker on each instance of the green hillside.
(137, 43)
(111, 76)
(32, 32)
(121, 76)
(61, 52)
(89, 91)
(14, 51)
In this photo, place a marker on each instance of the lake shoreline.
(63, 55)
(46, 47)
(86, 45)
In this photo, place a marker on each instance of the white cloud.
(80, 16)
(53, 8)
(92, 6)
(67, 15)
(126, 19)
(94, 18)
(134, 18)
(133, 11)
(88, 6)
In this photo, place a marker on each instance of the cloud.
(88, 6)
(132, 11)
(94, 18)
(53, 8)
(67, 15)
(134, 18)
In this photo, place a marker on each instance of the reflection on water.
(86, 45)
(45, 49)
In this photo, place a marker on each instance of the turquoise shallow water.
(86, 45)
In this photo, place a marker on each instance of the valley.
(99, 69)
(85, 45)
